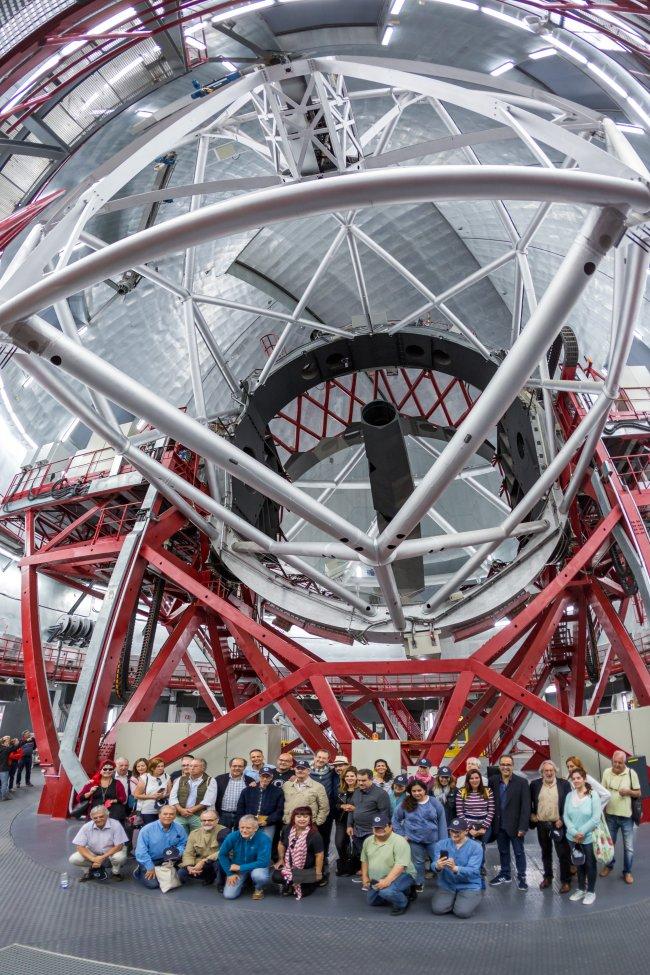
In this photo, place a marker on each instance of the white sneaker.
(589, 899)
(577, 895)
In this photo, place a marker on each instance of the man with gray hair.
(624, 786)
(193, 793)
(547, 797)
(97, 841)
(245, 854)
(472, 764)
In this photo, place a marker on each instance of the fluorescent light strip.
(546, 52)
(193, 29)
(561, 46)
(463, 4)
(388, 33)
(506, 18)
(247, 8)
(44, 68)
(397, 7)
(632, 129)
(506, 66)
(229, 66)
(193, 42)
(632, 102)
(606, 79)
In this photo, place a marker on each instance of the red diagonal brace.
(144, 699)
(335, 714)
(447, 728)
(621, 641)
(603, 681)
(202, 687)
(538, 705)
(522, 622)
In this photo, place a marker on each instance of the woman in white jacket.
(574, 762)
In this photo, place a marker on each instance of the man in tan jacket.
(303, 791)
(200, 855)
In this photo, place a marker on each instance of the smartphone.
(444, 856)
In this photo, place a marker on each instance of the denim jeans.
(587, 871)
(25, 765)
(4, 784)
(626, 826)
(139, 875)
(503, 843)
(419, 853)
(259, 876)
(208, 875)
(395, 894)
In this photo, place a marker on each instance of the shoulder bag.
(167, 877)
(637, 804)
(602, 842)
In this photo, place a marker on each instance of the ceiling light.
(27, 383)
(506, 18)
(67, 430)
(397, 7)
(246, 8)
(632, 129)
(193, 29)
(568, 50)
(606, 79)
(229, 66)
(464, 4)
(506, 66)
(193, 42)
(82, 331)
(388, 33)
(43, 69)
(546, 52)
(71, 48)
(143, 113)
(125, 70)
(107, 25)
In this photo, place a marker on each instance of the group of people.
(16, 758)
(260, 824)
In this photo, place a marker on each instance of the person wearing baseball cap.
(457, 861)
(398, 790)
(302, 790)
(423, 774)
(387, 871)
(264, 800)
(445, 791)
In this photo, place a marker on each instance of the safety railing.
(634, 470)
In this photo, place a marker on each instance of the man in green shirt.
(623, 785)
(387, 871)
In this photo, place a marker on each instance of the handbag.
(80, 809)
(303, 876)
(167, 877)
(602, 842)
(637, 805)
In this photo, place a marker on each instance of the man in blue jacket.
(157, 842)
(321, 771)
(246, 852)
(457, 864)
(264, 801)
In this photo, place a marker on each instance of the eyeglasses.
(108, 768)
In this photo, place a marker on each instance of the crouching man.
(200, 857)
(457, 861)
(387, 871)
(97, 841)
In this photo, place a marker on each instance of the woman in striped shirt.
(475, 803)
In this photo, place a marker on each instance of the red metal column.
(227, 681)
(579, 662)
(623, 645)
(38, 694)
(335, 714)
(603, 681)
(202, 687)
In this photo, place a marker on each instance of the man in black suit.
(547, 797)
(230, 786)
(511, 821)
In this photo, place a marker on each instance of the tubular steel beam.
(449, 723)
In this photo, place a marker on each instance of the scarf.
(295, 856)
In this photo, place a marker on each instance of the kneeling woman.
(300, 855)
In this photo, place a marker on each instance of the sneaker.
(357, 880)
(577, 895)
(258, 895)
(419, 888)
(521, 883)
(500, 879)
(589, 899)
